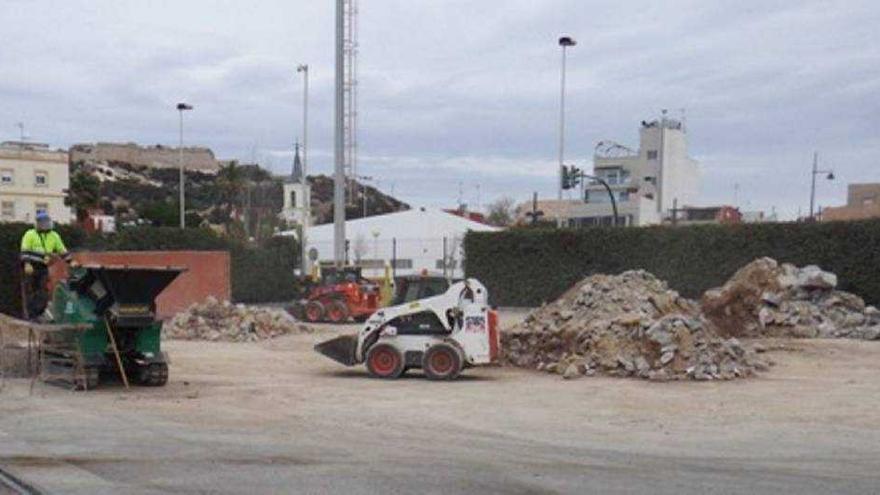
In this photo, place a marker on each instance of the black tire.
(385, 361)
(336, 312)
(153, 375)
(442, 362)
(314, 311)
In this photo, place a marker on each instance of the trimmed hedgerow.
(526, 267)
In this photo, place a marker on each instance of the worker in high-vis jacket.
(38, 246)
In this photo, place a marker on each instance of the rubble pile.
(223, 321)
(626, 325)
(768, 299)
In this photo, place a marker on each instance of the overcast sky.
(463, 91)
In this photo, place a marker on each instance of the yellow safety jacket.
(37, 247)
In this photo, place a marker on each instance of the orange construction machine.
(340, 294)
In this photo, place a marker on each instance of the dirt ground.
(275, 417)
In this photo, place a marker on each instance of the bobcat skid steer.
(441, 334)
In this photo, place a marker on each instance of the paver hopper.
(119, 304)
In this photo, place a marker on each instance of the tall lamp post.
(364, 179)
(304, 69)
(182, 107)
(816, 172)
(564, 42)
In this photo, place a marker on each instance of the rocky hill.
(243, 193)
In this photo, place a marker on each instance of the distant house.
(862, 201)
(412, 241)
(693, 215)
(33, 178)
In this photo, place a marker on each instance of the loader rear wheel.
(337, 312)
(314, 311)
(384, 361)
(442, 362)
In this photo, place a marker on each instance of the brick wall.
(207, 274)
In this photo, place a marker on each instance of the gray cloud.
(465, 92)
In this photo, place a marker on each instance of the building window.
(652, 154)
(41, 208)
(624, 196)
(7, 210)
(7, 177)
(41, 178)
(292, 199)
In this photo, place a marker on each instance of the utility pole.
(307, 216)
(182, 107)
(564, 42)
(339, 150)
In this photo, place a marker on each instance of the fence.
(437, 255)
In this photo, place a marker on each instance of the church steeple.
(297, 174)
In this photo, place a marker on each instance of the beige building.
(862, 201)
(647, 183)
(33, 178)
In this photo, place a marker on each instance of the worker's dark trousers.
(36, 291)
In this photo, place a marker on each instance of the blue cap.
(42, 216)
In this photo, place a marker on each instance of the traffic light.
(571, 176)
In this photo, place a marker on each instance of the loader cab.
(415, 287)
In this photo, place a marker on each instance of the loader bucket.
(340, 349)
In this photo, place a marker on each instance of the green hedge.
(259, 273)
(525, 267)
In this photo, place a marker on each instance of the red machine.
(339, 295)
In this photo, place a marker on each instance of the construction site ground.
(275, 417)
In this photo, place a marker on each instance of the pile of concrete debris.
(768, 299)
(626, 325)
(223, 321)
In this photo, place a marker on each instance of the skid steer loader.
(441, 335)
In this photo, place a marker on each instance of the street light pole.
(564, 42)
(816, 172)
(181, 107)
(306, 217)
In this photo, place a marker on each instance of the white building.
(297, 195)
(646, 183)
(33, 178)
(413, 240)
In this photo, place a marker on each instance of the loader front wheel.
(442, 362)
(314, 311)
(384, 361)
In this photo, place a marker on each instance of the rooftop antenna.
(460, 195)
(683, 112)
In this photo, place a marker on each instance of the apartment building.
(862, 202)
(33, 178)
(647, 183)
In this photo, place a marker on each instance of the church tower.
(297, 194)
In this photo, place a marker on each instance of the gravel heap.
(766, 299)
(628, 325)
(223, 321)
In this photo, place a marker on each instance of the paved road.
(272, 418)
